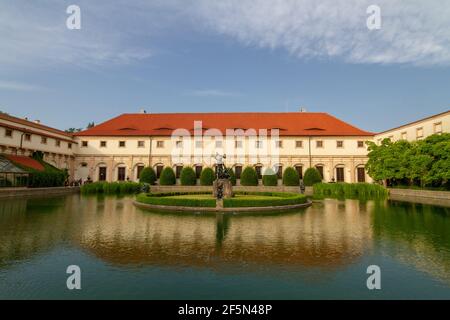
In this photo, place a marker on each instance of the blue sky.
(211, 56)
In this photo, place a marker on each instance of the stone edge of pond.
(217, 209)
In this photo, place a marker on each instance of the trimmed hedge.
(283, 199)
(148, 175)
(111, 188)
(207, 177)
(188, 177)
(167, 177)
(350, 190)
(270, 178)
(249, 177)
(232, 176)
(168, 199)
(311, 177)
(44, 179)
(290, 177)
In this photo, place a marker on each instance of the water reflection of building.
(328, 235)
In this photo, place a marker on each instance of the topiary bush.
(207, 177)
(232, 176)
(148, 175)
(350, 190)
(290, 177)
(311, 177)
(249, 177)
(167, 177)
(188, 177)
(269, 178)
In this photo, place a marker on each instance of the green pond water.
(321, 252)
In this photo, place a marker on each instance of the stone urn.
(225, 185)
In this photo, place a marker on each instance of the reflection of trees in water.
(29, 226)
(422, 229)
(222, 226)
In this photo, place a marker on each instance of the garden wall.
(179, 188)
(423, 196)
(22, 192)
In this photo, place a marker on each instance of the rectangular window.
(339, 144)
(178, 171)
(139, 171)
(121, 144)
(219, 144)
(438, 127)
(102, 144)
(84, 144)
(69, 145)
(141, 144)
(159, 169)
(238, 171)
(320, 169)
(391, 138)
(419, 133)
(27, 137)
(258, 172)
(121, 173)
(340, 174)
(319, 144)
(404, 136)
(299, 170)
(238, 144)
(299, 144)
(198, 171)
(199, 144)
(44, 140)
(179, 144)
(279, 144)
(361, 173)
(279, 171)
(160, 144)
(58, 143)
(102, 174)
(8, 133)
(360, 144)
(258, 144)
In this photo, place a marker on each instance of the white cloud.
(18, 86)
(212, 93)
(414, 31)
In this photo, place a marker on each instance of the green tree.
(207, 177)
(188, 177)
(167, 177)
(311, 177)
(290, 177)
(249, 177)
(148, 175)
(269, 178)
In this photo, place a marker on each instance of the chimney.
(37, 121)
(302, 109)
(143, 111)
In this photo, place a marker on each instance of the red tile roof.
(162, 124)
(25, 161)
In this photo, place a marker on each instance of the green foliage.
(350, 190)
(110, 188)
(290, 177)
(45, 179)
(249, 177)
(148, 175)
(311, 177)
(170, 199)
(269, 178)
(207, 177)
(188, 177)
(167, 177)
(424, 162)
(279, 199)
(232, 176)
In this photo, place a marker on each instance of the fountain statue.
(222, 187)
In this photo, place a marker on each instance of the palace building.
(118, 149)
